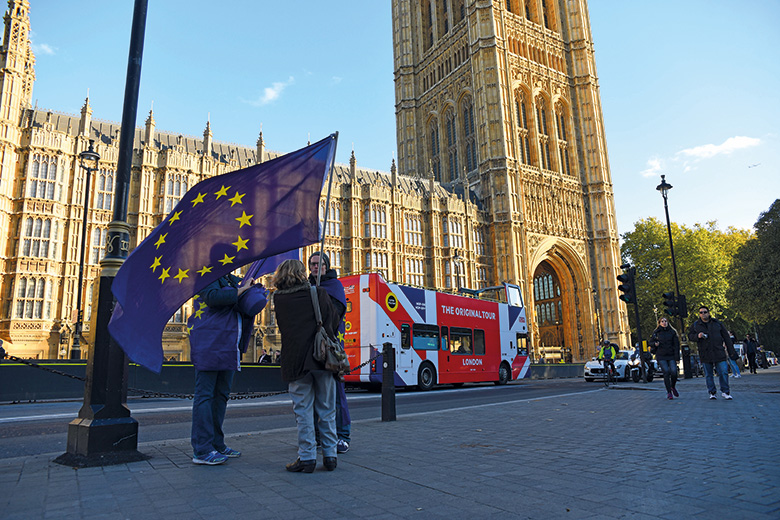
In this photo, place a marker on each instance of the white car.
(595, 370)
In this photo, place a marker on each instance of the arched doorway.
(550, 345)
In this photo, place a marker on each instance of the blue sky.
(688, 88)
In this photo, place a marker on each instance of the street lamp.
(664, 188)
(89, 161)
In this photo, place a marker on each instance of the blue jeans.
(316, 391)
(723, 376)
(734, 367)
(212, 389)
(343, 420)
(669, 368)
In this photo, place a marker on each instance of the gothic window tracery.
(521, 109)
(33, 299)
(561, 118)
(42, 178)
(36, 238)
(469, 135)
(433, 149)
(543, 133)
(452, 145)
(105, 189)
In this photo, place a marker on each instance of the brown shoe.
(306, 466)
(330, 463)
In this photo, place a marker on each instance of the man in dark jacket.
(751, 348)
(220, 329)
(329, 281)
(711, 337)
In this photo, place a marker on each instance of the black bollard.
(388, 382)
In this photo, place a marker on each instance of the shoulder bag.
(326, 349)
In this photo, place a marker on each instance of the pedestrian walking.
(751, 349)
(733, 362)
(711, 336)
(322, 275)
(220, 330)
(311, 387)
(665, 344)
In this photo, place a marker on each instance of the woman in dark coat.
(311, 387)
(665, 344)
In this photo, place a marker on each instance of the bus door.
(403, 355)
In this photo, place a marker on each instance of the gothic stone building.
(502, 176)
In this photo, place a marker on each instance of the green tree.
(754, 277)
(703, 255)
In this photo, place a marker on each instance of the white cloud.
(42, 48)
(654, 167)
(728, 146)
(272, 93)
(335, 80)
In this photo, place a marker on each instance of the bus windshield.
(513, 296)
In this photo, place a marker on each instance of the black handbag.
(326, 349)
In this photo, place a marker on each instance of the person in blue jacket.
(328, 280)
(220, 329)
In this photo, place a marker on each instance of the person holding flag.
(220, 330)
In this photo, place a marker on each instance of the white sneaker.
(737, 376)
(713, 396)
(726, 396)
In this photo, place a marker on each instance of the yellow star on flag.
(227, 260)
(206, 269)
(241, 244)
(341, 336)
(164, 274)
(236, 199)
(222, 191)
(174, 218)
(160, 240)
(244, 219)
(203, 305)
(156, 263)
(182, 275)
(189, 329)
(198, 313)
(197, 200)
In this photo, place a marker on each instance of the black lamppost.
(664, 188)
(89, 161)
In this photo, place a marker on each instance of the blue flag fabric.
(221, 224)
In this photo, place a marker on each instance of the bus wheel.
(503, 374)
(426, 377)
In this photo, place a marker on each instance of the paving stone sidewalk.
(625, 452)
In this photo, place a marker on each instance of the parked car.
(595, 370)
(771, 358)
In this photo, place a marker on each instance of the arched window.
(433, 149)
(98, 245)
(31, 298)
(36, 237)
(469, 135)
(452, 146)
(105, 189)
(543, 133)
(563, 145)
(521, 109)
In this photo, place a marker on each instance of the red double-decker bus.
(439, 338)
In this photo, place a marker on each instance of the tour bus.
(439, 338)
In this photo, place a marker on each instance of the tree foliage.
(754, 277)
(703, 256)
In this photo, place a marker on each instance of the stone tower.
(501, 97)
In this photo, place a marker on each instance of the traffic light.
(627, 284)
(670, 301)
(682, 307)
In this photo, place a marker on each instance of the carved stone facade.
(501, 97)
(502, 176)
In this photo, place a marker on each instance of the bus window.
(405, 343)
(522, 345)
(460, 341)
(425, 337)
(479, 342)
(445, 339)
(513, 296)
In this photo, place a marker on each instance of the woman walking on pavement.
(665, 344)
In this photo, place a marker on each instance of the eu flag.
(221, 224)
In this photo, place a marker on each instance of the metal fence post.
(388, 382)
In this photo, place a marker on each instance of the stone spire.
(85, 123)
(260, 147)
(150, 125)
(352, 166)
(207, 138)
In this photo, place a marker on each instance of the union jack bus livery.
(439, 338)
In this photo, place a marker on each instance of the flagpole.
(327, 202)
